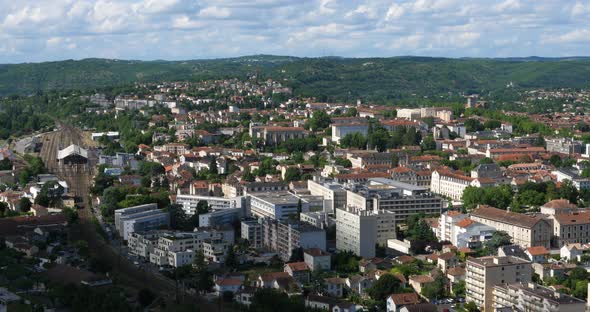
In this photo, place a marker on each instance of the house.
(359, 284)
(420, 307)
(298, 270)
(366, 265)
(538, 254)
(334, 286)
(419, 281)
(396, 301)
(329, 304)
(317, 259)
(276, 280)
(244, 295)
(571, 251)
(227, 285)
(447, 260)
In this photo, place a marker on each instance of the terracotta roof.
(573, 218)
(560, 203)
(335, 280)
(446, 256)
(465, 250)
(405, 299)
(538, 250)
(518, 219)
(422, 279)
(229, 282)
(267, 277)
(298, 266)
(465, 223)
(405, 259)
(316, 252)
(456, 271)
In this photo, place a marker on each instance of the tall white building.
(276, 205)
(482, 274)
(189, 203)
(333, 193)
(360, 230)
(535, 298)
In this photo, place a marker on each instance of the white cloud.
(34, 30)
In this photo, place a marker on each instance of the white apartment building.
(342, 127)
(131, 210)
(282, 237)
(449, 184)
(144, 221)
(400, 198)
(525, 230)
(333, 193)
(535, 298)
(482, 274)
(276, 205)
(446, 222)
(215, 250)
(251, 230)
(360, 230)
(189, 203)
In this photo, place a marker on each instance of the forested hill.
(377, 79)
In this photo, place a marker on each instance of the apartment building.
(412, 176)
(399, 124)
(367, 159)
(446, 221)
(482, 274)
(215, 250)
(119, 213)
(284, 236)
(525, 230)
(564, 146)
(360, 230)
(342, 126)
(571, 228)
(275, 205)
(251, 230)
(401, 198)
(189, 203)
(175, 248)
(534, 298)
(449, 184)
(333, 193)
(273, 135)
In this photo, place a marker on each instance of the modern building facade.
(360, 230)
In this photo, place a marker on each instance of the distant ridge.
(390, 78)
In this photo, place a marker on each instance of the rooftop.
(491, 261)
(518, 219)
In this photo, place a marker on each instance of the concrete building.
(189, 203)
(446, 222)
(144, 221)
(482, 274)
(534, 298)
(317, 259)
(360, 230)
(72, 154)
(251, 230)
(275, 205)
(119, 213)
(284, 236)
(348, 125)
(368, 159)
(565, 146)
(272, 135)
(525, 230)
(333, 193)
(402, 199)
(571, 228)
(450, 184)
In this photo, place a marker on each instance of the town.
(237, 195)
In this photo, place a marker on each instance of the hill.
(376, 79)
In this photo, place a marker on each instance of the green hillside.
(377, 79)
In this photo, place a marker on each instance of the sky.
(46, 30)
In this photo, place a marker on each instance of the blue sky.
(42, 30)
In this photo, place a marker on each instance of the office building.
(275, 205)
(284, 236)
(119, 213)
(333, 193)
(144, 221)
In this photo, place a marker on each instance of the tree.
(296, 255)
(459, 289)
(492, 124)
(428, 144)
(499, 238)
(231, 261)
(248, 176)
(473, 125)
(24, 204)
(385, 286)
(346, 163)
(354, 140)
(213, 166)
(319, 120)
(145, 297)
(292, 174)
(471, 307)
(435, 289)
(202, 207)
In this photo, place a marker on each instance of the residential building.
(396, 301)
(144, 221)
(360, 230)
(119, 213)
(558, 206)
(537, 254)
(334, 286)
(299, 271)
(189, 203)
(284, 236)
(317, 259)
(482, 274)
(333, 193)
(565, 146)
(251, 230)
(571, 252)
(417, 282)
(330, 304)
(470, 234)
(412, 176)
(525, 230)
(275, 205)
(534, 298)
(215, 250)
(368, 159)
(272, 135)
(449, 184)
(344, 126)
(446, 222)
(402, 199)
(571, 228)
(225, 285)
